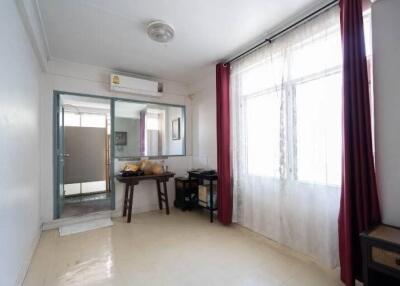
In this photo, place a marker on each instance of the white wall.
(174, 146)
(386, 69)
(19, 147)
(72, 77)
(204, 140)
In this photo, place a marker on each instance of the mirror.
(148, 129)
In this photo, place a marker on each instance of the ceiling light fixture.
(160, 31)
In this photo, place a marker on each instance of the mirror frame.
(134, 158)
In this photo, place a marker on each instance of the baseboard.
(104, 214)
(27, 262)
(136, 210)
(72, 220)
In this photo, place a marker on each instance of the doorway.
(83, 155)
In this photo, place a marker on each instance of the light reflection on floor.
(180, 249)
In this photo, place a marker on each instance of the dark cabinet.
(185, 193)
(381, 256)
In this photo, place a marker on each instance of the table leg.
(125, 199)
(159, 195)
(166, 197)
(130, 203)
(211, 202)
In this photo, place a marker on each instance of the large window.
(292, 114)
(286, 116)
(259, 130)
(318, 130)
(290, 107)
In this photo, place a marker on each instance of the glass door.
(83, 171)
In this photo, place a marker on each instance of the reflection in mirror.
(148, 129)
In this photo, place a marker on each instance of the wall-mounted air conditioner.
(134, 85)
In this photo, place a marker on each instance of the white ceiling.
(111, 33)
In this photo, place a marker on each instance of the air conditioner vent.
(135, 85)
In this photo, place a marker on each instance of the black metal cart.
(202, 176)
(186, 193)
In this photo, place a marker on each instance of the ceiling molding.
(42, 29)
(31, 18)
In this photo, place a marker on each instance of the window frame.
(291, 171)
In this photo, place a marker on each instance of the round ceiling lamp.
(160, 31)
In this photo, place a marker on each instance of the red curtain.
(223, 145)
(359, 206)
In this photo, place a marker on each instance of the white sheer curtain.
(286, 123)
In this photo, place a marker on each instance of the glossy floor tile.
(180, 249)
(86, 204)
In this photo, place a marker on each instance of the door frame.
(56, 103)
(56, 162)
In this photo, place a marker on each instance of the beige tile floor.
(180, 249)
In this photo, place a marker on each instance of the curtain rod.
(285, 30)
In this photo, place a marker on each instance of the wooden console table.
(131, 181)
